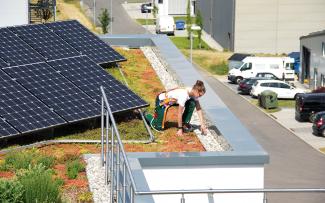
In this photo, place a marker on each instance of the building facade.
(174, 7)
(312, 59)
(261, 26)
(13, 12)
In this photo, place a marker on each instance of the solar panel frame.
(6, 129)
(89, 76)
(22, 109)
(3, 64)
(55, 91)
(14, 51)
(44, 41)
(85, 41)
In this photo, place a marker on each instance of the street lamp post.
(111, 24)
(193, 28)
(94, 12)
(149, 8)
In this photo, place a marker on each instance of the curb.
(269, 115)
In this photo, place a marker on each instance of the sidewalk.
(286, 118)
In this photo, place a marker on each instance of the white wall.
(206, 177)
(274, 26)
(13, 12)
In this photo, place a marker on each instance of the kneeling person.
(186, 99)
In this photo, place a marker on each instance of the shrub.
(22, 160)
(18, 160)
(11, 191)
(38, 185)
(73, 168)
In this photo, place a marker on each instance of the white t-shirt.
(180, 94)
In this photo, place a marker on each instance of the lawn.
(185, 43)
(146, 21)
(282, 103)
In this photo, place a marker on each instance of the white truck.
(165, 25)
(281, 67)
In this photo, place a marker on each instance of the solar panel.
(55, 91)
(6, 129)
(3, 64)
(89, 76)
(23, 110)
(15, 51)
(85, 41)
(44, 41)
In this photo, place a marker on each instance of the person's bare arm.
(179, 120)
(199, 111)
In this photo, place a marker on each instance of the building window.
(323, 49)
(160, 1)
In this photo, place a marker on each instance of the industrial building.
(261, 26)
(312, 63)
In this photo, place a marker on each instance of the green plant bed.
(281, 104)
(143, 21)
(219, 69)
(185, 43)
(182, 18)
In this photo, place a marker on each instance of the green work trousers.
(158, 119)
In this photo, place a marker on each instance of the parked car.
(282, 89)
(308, 104)
(319, 123)
(267, 75)
(245, 85)
(144, 8)
(180, 24)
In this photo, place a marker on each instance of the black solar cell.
(55, 91)
(89, 76)
(23, 110)
(85, 41)
(15, 51)
(6, 129)
(44, 41)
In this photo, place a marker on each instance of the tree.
(104, 20)
(188, 18)
(199, 22)
(43, 11)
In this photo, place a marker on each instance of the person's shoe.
(188, 128)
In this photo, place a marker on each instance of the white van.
(281, 67)
(165, 25)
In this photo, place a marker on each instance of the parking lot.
(286, 117)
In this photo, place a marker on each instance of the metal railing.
(118, 172)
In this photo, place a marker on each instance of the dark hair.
(199, 86)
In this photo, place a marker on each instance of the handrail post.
(124, 183)
(182, 198)
(102, 131)
(264, 198)
(107, 163)
(131, 194)
(117, 171)
(112, 166)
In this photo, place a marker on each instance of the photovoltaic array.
(85, 41)
(49, 76)
(85, 74)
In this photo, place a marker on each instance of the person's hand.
(179, 132)
(203, 129)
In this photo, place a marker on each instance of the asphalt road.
(293, 163)
(122, 23)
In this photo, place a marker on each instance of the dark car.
(245, 85)
(267, 75)
(319, 123)
(180, 24)
(308, 104)
(144, 8)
